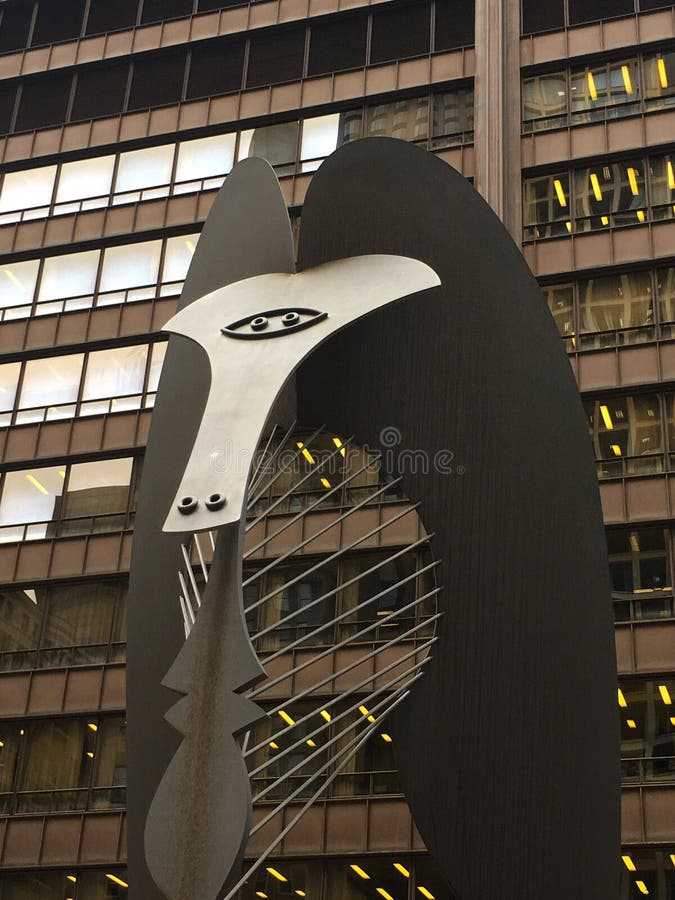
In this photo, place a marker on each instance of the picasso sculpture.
(408, 310)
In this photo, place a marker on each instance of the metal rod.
(202, 562)
(325, 724)
(333, 647)
(417, 649)
(272, 460)
(184, 588)
(308, 540)
(191, 574)
(254, 475)
(287, 465)
(261, 859)
(333, 591)
(294, 487)
(304, 512)
(328, 559)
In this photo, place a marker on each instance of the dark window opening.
(276, 57)
(7, 99)
(455, 20)
(400, 32)
(44, 101)
(61, 21)
(594, 10)
(646, 5)
(15, 24)
(216, 69)
(538, 16)
(106, 16)
(208, 5)
(157, 80)
(157, 10)
(336, 45)
(100, 91)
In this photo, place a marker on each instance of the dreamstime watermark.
(329, 456)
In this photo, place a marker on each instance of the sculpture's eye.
(274, 323)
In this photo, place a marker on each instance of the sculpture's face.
(255, 333)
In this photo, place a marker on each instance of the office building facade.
(118, 124)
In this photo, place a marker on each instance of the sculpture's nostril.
(187, 505)
(215, 501)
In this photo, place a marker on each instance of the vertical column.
(497, 110)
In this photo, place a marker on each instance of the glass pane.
(85, 178)
(453, 114)
(658, 72)
(28, 188)
(662, 180)
(10, 741)
(116, 372)
(58, 754)
(9, 377)
(301, 879)
(79, 613)
(72, 275)
(625, 426)
(405, 119)
(545, 97)
(611, 194)
(51, 381)
(547, 205)
(320, 136)
(98, 488)
(278, 144)
(17, 282)
(205, 157)
(20, 620)
(96, 885)
(593, 90)
(344, 881)
(144, 168)
(31, 495)
(158, 354)
(560, 300)
(297, 599)
(33, 886)
(178, 256)
(111, 761)
(665, 282)
(132, 265)
(616, 301)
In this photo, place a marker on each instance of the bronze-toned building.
(119, 122)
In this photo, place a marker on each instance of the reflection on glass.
(545, 97)
(560, 301)
(658, 71)
(30, 495)
(114, 373)
(147, 168)
(9, 378)
(178, 256)
(131, 265)
(58, 754)
(17, 282)
(546, 205)
(49, 384)
(156, 362)
(278, 144)
(20, 620)
(453, 117)
(665, 283)
(25, 190)
(78, 614)
(85, 178)
(611, 194)
(608, 90)
(71, 275)
(407, 120)
(625, 427)
(205, 157)
(616, 301)
(647, 732)
(98, 488)
(297, 600)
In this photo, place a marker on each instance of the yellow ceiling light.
(634, 542)
(627, 83)
(606, 418)
(90, 754)
(604, 220)
(93, 726)
(595, 184)
(325, 714)
(663, 74)
(305, 452)
(671, 175)
(672, 858)
(62, 473)
(2, 744)
(640, 215)
(287, 719)
(261, 894)
(275, 873)
(568, 226)
(616, 450)
(22, 732)
(310, 743)
(642, 887)
(36, 484)
(628, 863)
(72, 878)
(325, 482)
(592, 90)
(631, 723)
(386, 738)
(359, 871)
(190, 246)
(364, 712)
(622, 698)
(672, 720)
(560, 192)
(632, 180)
(301, 893)
(12, 277)
(383, 893)
(339, 445)
(665, 694)
(274, 745)
(402, 869)
(116, 880)
(425, 893)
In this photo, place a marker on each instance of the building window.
(455, 23)
(204, 158)
(9, 380)
(640, 573)
(612, 302)
(278, 144)
(157, 80)
(50, 388)
(647, 734)
(17, 283)
(45, 885)
(85, 179)
(611, 85)
(106, 16)
(216, 69)
(30, 189)
(338, 44)
(627, 434)
(72, 273)
(404, 119)
(400, 32)
(178, 256)
(17, 16)
(100, 91)
(114, 377)
(58, 22)
(141, 170)
(159, 10)
(44, 101)
(130, 266)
